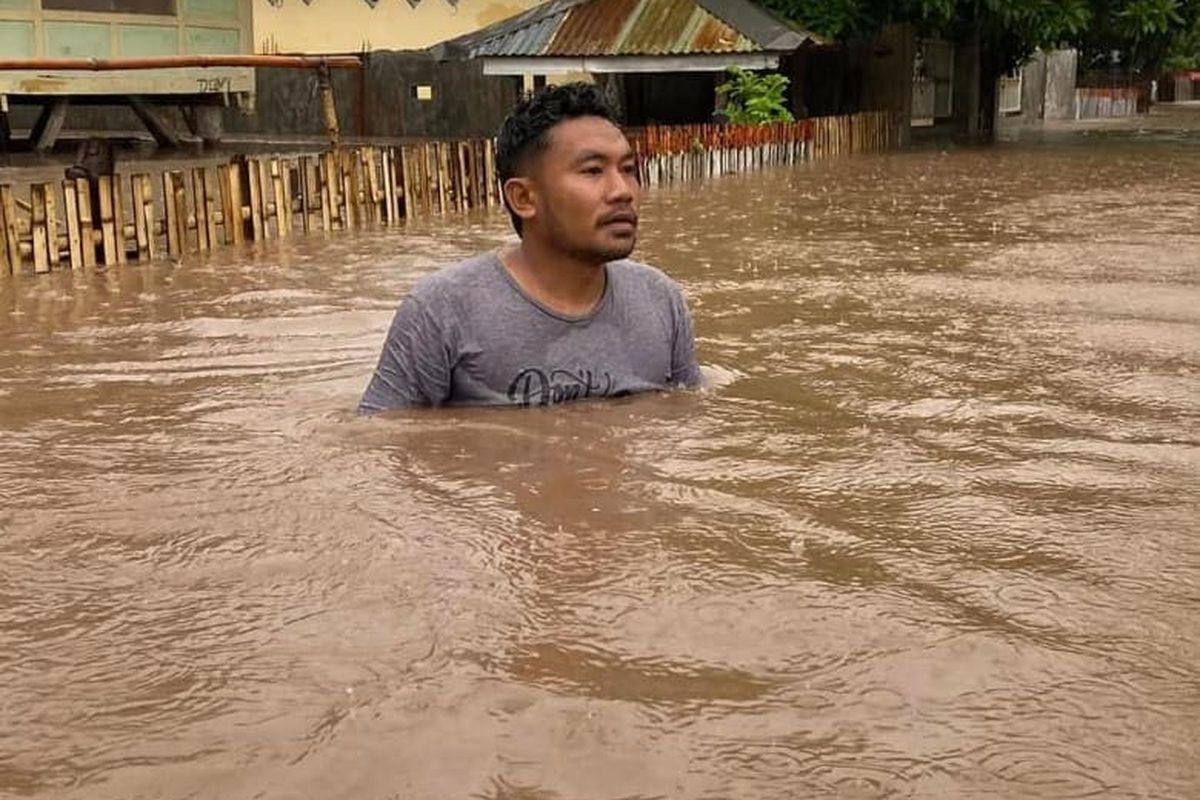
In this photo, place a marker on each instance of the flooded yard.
(930, 531)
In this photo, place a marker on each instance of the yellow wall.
(341, 26)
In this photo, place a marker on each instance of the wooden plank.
(282, 204)
(228, 221)
(288, 201)
(266, 199)
(374, 166)
(442, 164)
(433, 175)
(197, 186)
(106, 220)
(461, 195)
(325, 177)
(87, 228)
(256, 211)
(304, 187)
(237, 201)
(146, 212)
(181, 205)
(478, 176)
(210, 207)
(12, 243)
(170, 203)
(426, 180)
(388, 168)
(37, 225)
(52, 226)
(348, 188)
(5, 266)
(489, 169)
(139, 216)
(362, 186)
(71, 214)
(404, 192)
(118, 201)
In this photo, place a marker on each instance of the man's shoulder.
(457, 277)
(642, 277)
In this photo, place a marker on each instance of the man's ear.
(521, 197)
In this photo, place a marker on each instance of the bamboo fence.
(682, 153)
(140, 217)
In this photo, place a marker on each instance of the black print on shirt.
(534, 387)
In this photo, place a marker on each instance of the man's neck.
(563, 284)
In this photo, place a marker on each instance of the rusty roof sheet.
(634, 27)
(591, 29)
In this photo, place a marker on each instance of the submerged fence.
(1096, 103)
(680, 153)
(140, 217)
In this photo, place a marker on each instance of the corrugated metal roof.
(656, 27)
(531, 38)
(634, 27)
(592, 28)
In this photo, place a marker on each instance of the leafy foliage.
(753, 99)
(1144, 32)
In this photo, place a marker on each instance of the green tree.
(1143, 31)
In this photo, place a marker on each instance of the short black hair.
(524, 130)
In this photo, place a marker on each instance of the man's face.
(585, 191)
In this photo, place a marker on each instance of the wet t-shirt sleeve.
(415, 366)
(684, 369)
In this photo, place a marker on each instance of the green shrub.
(752, 99)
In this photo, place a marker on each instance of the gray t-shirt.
(469, 335)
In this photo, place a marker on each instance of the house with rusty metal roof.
(664, 57)
(624, 36)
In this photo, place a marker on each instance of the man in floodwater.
(562, 315)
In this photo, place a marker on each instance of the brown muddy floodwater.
(933, 530)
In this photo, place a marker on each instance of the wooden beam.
(159, 128)
(49, 124)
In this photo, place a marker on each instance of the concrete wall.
(341, 26)
(1047, 90)
(381, 102)
(1061, 69)
(378, 101)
